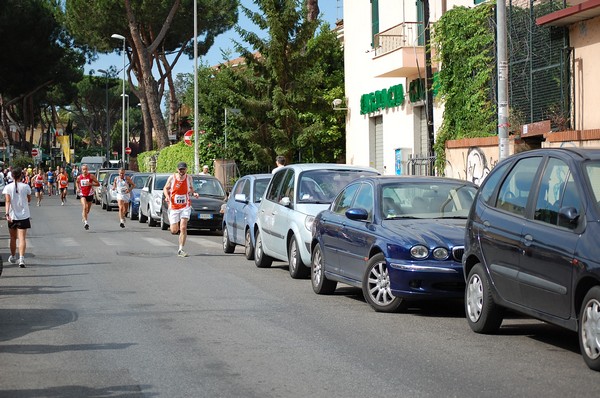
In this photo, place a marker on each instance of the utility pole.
(428, 81)
(502, 59)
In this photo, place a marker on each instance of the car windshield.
(426, 200)
(322, 186)
(208, 187)
(592, 170)
(160, 182)
(259, 189)
(139, 181)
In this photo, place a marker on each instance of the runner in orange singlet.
(38, 185)
(85, 183)
(63, 184)
(177, 192)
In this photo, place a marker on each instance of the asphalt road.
(114, 312)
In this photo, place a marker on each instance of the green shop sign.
(382, 99)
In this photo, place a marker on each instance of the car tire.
(102, 204)
(483, 314)
(228, 246)
(248, 246)
(589, 328)
(376, 286)
(132, 216)
(320, 283)
(298, 270)
(163, 224)
(151, 221)
(141, 217)
(261, 260)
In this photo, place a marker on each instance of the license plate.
(205, 216)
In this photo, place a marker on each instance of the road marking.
(204, 242)
(111, 242)
(67, 242)
(159, 242)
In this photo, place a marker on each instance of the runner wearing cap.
(177, 192)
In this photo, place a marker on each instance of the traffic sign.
(34, 152)
(187, 137)
(128, 150)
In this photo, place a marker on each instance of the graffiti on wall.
(477, 165)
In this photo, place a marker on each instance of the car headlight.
(440, 253)
(157, 202)
(308, 222)
(419, 252)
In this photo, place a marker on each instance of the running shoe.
(12, 259)
(122, 225)
(86, 226)
(181, 253)
(22, 262)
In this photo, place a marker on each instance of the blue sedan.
(397, 238)
(241, 211)
(139, 179)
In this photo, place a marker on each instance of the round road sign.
(187, 137)
(34, 152)
(128, 150)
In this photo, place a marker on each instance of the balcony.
(400, 51)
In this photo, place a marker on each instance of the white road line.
(159, 242)
(204, 242)
(111, 242)
(66, 242)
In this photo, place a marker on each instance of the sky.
(331, 11)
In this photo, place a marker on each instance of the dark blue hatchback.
(397, 238)
(533, 244)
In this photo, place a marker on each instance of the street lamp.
(117, 36)
(107, 118)
(127, 96)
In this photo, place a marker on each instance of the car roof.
(583, 153)
(327, 166)
(405, 178)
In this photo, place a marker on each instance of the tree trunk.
(312, 6)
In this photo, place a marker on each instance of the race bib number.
(123, 190)
(84, 183)
(63, 183)
(180, 199)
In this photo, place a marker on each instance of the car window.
(569, 197)
(592, 170)
(246, 189)
(491, 182)
(287, 188)
(239, 186)
(208, 187)
(160, 182)
(552, 183)
(139, 181)
(323, 185)
(259, 188)
(514, 191)
(275, 187)
(364, 199)
(344, 199)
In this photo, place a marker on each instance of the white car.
(295, 195)
(151, 198)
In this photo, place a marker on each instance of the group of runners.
(178, 190)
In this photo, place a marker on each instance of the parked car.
(396, 238)
(532, 244)
(108, 196)
(241, 211)
(100, 175)
(294, 196)
(2, 185)
(151, 198)
(139, 179)
(206, 209)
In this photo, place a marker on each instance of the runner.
(50, 180)
(56, 175)
(38, 185)
(123, 185)
(177, 192)
(63, 184)
(85, 183)
(18, 196)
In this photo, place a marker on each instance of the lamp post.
(196, 155)
(107, 118)
(117, 36)
(127, 140)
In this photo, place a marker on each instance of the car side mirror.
(357, 214)
(145, 189)
(568, 214)
(240, 197)
(285, 201)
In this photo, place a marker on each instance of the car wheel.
(163, 224)
(261, 260)
(248, 246)
(151, 221)
(102, 203)
(141, 217)
(589, 328)
(376, 286)
(297, 268)
(108, 208)
(320, 283)
(228, 247)
(483, 314)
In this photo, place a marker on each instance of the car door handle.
(486, 224)
(528, 240)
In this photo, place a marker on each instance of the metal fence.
(420, 165)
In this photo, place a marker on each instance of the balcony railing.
(406, 34)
